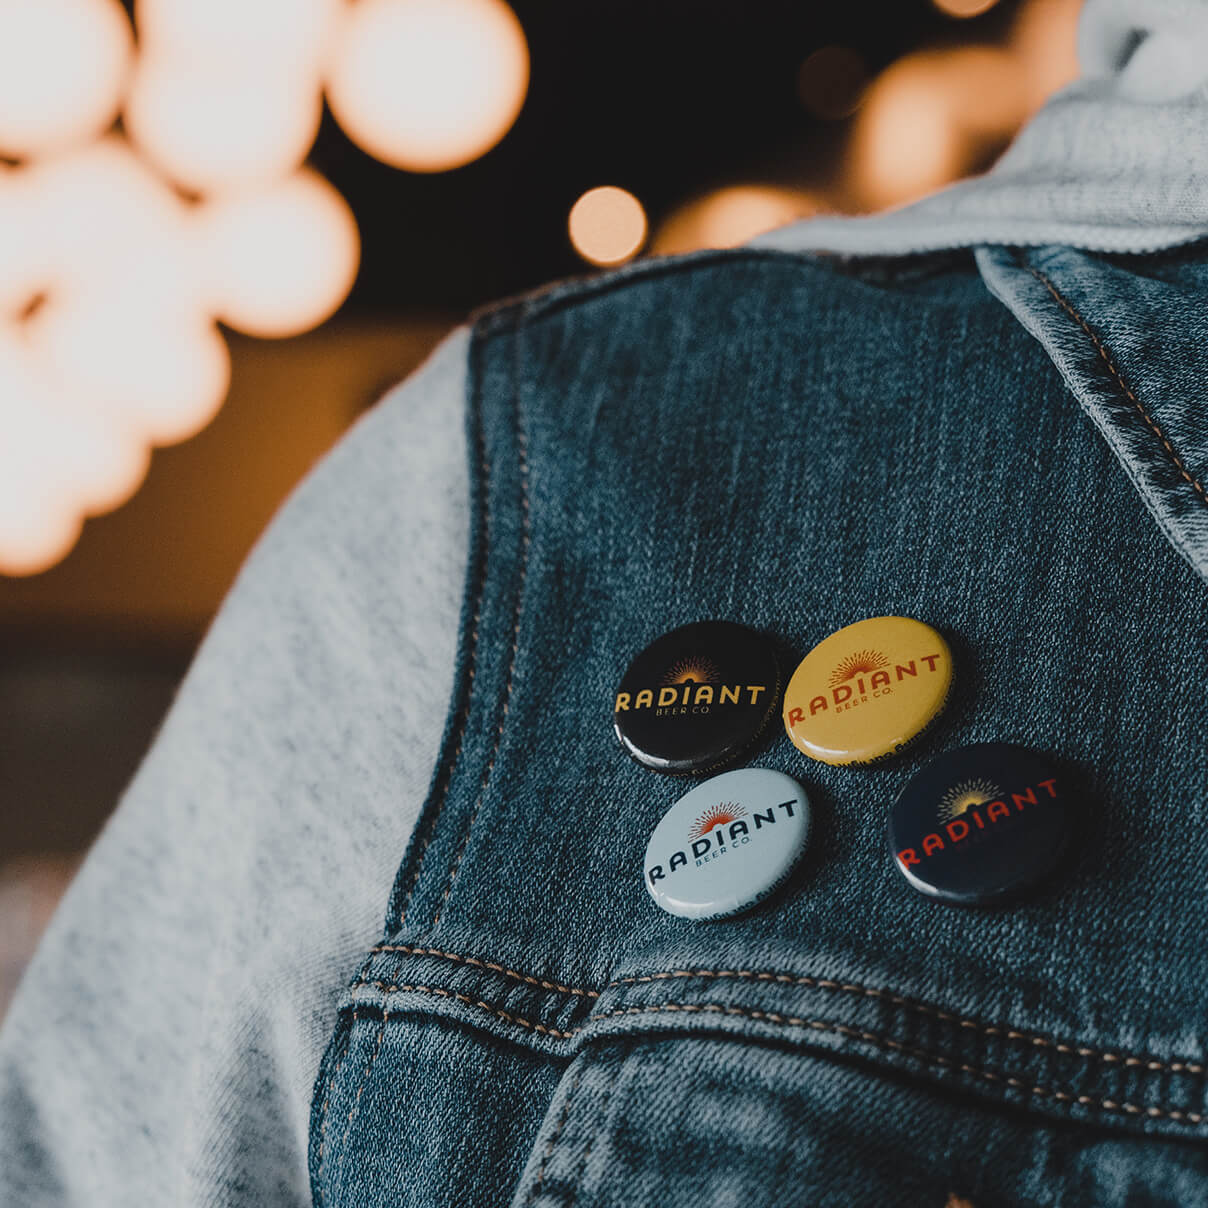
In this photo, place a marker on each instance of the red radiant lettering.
(932, 844)
(880, 679)
(796, 716)
(951, 828)
(905, 669)
(1048, 784)
(817, 704)
(1027, 797)
(845, 689)
(908, 856)
(996, 810)
(929, 659)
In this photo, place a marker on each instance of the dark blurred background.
(703, 122)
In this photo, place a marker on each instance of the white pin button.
(727, 844)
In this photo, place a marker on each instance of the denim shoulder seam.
(463, 688)
(500, 316)
(521, 445)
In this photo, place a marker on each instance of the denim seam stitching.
(323, 1111)
(1149, 421)
(356, 1102)
(525, 542)
(995, 1077)
(478, 585)
(459, 959)
(553, 1140)
(1034, 1039)
(467, 1000)
(601, 1119)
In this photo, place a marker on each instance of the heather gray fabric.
(163, 1046)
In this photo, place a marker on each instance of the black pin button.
(981, 824)
(697, 697)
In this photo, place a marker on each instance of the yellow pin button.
(867, 690)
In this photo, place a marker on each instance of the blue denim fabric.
(1128, 335)
(795, 445)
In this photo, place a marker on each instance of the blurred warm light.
(33, 541)
(1044, 40)
(607, 225)
(213, 129)
(428, 85)
(23, 268)
(281, 260)
(731, 216)
(931, 117)
(98, 216)
(158, 376)
(63, 69)
(832, 81)
(108, 343)
(57, 462)
(964, 8)
(283, 33)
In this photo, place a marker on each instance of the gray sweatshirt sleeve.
(163, 1044)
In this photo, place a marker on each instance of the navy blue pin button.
(697, 697)
(981, 824)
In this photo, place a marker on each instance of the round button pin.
(979, 824)
(697, 697)
(867, 690)
(727, 844)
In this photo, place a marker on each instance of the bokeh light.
(964, 8)
(98, 217)
(607, 225)
(832, 81)
(280, 260)
(63, 70)
(289, 33)
(933, 116)
(157, 376)
(58, 461)
(728, 217)
(1044, 42)
(213, 129)
(428, 85)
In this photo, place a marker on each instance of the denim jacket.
(999, 434)
(795, 445)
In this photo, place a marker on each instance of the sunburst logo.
(859, 663)
(716, 815)
(964, 795)
(693, 669)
